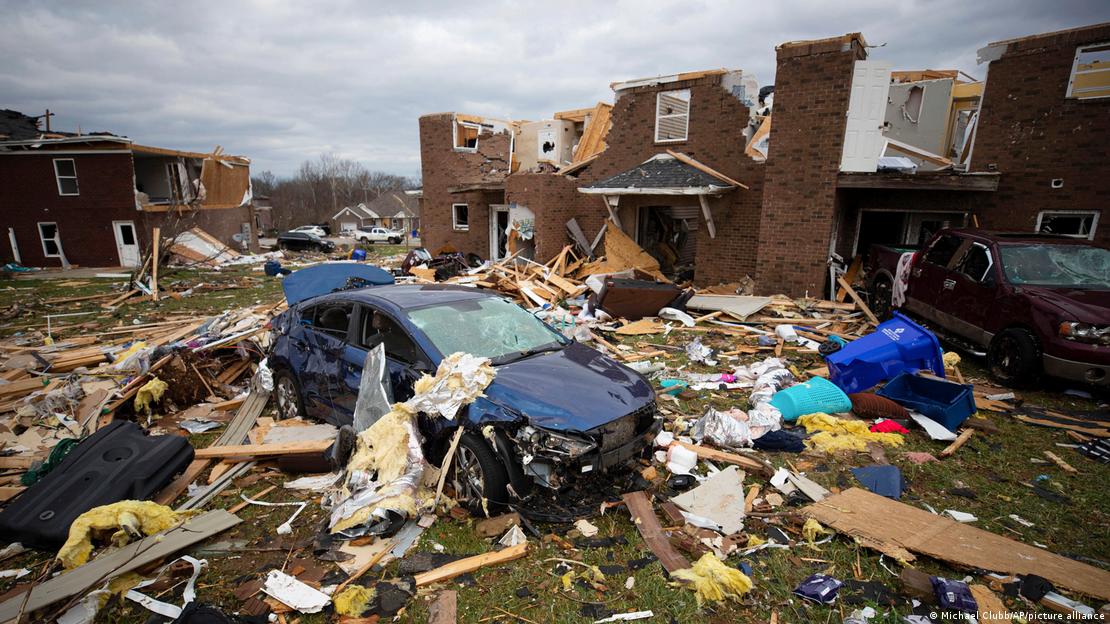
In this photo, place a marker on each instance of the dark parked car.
(303, 241)
(1035, 303)
(556, 408)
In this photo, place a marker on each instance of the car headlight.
(1086, 332)
(545, 442)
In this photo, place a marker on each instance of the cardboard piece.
(899, 530)
(719, 499)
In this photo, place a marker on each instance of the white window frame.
(57, 239)
(58, 177)
(455, 218)
(1075, 67)
(1051, 213)
(686, 130)
(455, 135)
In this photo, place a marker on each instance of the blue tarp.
(322, 279)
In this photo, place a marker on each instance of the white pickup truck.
(378, 235)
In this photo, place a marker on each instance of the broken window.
(460, 217)
(672, 115)
(1090, 72)
(48, 233)
(1077, 223)
(65, 171)
(466, 135)
(942, 251)
(398, 346)
(975, 263)
(332, 319)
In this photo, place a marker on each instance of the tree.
(322, 187)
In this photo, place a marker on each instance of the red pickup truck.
(1036, 304)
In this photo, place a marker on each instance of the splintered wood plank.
(647, 523)
(470, 564)
(856, 298)
(899, 530)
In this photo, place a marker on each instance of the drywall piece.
(719, 499)
(289, 591)
(917, 113)
(114, 563)
(740, 306)
(900, 530)
(863, 139)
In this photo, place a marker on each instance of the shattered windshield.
(1075, 266)
(493, 328)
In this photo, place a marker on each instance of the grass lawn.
(992, 466)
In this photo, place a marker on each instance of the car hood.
(1085, 306)
(574, 389)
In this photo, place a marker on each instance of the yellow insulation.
(835, 434)
(127, 519)
(713, 581)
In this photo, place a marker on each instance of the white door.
(498, 234)
(348, 227)
(863, 134)
(127, 243)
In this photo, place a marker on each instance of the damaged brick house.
(94, 199)
(691, 167)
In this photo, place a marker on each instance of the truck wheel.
(394, 241)
(882, 297)
(478, 474)
(1014, 358)
(287, 391)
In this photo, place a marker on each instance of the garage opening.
(904, 228)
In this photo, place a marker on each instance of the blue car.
(556, 408)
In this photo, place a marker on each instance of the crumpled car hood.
(575, 389)
(1085, 306)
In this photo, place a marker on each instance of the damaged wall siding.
(1033, 134)
(222, 223)
(555, 200)
(443, 167)
(812, 87)
(29, 194)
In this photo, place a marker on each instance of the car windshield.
(491, 327)
(1073, 266)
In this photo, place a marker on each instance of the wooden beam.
(729, 458)
(262, 450)
(683, 158)
(859, 301)
(920, 181)
(965, 435)
(470, 564)
(708, 214)
(612, 211)
(647, 523)
(154, 263)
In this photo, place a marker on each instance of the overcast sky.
(284, 82)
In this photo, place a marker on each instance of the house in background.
(691, 167)
(395, 210)
(94, 199)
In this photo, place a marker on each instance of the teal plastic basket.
(816, 395)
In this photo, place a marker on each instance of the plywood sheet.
(898, 529)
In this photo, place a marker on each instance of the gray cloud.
(283, 82)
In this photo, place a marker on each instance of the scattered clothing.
(819, 588)
(889, 426)
(884, 480)
(780, 441)
(954, 595)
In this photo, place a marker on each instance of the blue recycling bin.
(895, 346)
(948, 403)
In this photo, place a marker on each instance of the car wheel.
(395, 241)
(282, 247)
(287, 393)
(1014, 358)
(474, 260)
(882, 297)
(478, 476)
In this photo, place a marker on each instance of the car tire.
(476, 460)
(1014, 358)
(282, 247)
(287, 395)
(882, 297)
(394, 241)
(474, 260)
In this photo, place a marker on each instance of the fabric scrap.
(836, 434)
(884, 480)
(888, 426)
(819, 588)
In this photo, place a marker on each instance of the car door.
(928, 274)
(969, 291)
(330, 332)
(405, 360)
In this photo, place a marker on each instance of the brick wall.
(1032, 133)
(442, 168)
(222, 223)
(812, 87)
(29, 194)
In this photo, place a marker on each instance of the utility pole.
(47, 117)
